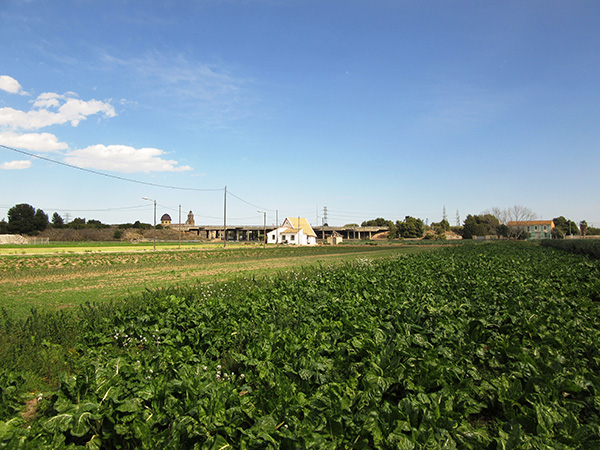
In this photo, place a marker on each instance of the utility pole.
(151, 200)
(180, 226)
(225, 218)
(264, 226)
(277, 226)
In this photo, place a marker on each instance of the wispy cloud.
(461, 108)
(209, 91)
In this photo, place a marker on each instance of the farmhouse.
(293, 230)
(535, 229)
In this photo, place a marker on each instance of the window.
(536, 228)
(292, 237)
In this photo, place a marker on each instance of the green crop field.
(67, 276)
(490, 346)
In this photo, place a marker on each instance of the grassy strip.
(102, 247)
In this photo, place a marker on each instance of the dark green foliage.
(482, 225)
(589, 247)
(591, 231)
(567, 227)
(473, 347)
(57, 221)
(379, 222)
(410, 228)
(440, 227)
(24, 219)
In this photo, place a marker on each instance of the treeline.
(409, 228)
(499, 223)
(25, 219)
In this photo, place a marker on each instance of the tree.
(57, 221)
(481, 225)
(583, 227)
(40, 220)
(3, 227)
(514, 218)
(379, 222)
(78, 223)
(410, 228)
(21, 219)
(440, 227)
(567, 227)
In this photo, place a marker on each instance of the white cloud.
(15, 165)
(40, 142)
(10, 85)
(122, 158)
(67, 108)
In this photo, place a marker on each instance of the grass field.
(70, 275)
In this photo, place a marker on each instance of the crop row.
(487, 346)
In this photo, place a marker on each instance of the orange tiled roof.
(531, 222)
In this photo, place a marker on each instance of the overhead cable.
(95, 172)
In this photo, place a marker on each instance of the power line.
(124, 208)
(247, 202)
(116, 177)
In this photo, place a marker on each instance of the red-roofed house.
(535, 229)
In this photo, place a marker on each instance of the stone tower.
(190, 219)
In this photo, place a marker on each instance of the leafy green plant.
(479, 346)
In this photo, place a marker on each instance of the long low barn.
(255, 232)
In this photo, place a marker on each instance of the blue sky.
(373, 109)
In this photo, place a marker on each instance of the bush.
(577, 246)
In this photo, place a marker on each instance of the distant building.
(165, 220)
(190, 219)
(335, 239)
(535, 229)
(294, 231)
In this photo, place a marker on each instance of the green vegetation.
(25, 219)
(476, 347)
(80, 273)
(577, 246)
